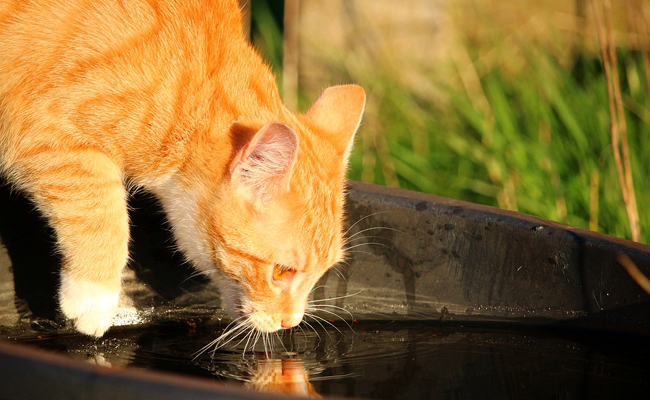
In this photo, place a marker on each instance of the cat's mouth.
(239, 307)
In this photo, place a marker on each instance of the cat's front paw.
(90, 305)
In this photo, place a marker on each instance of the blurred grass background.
(498, 103)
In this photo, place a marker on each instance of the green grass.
(536, 140)
(534, 148)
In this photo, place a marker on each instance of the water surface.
(383, 360)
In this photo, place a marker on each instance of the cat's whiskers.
(355, 239)
(347, 249)
(277, 335)
(250, 331)
(307, 337)
(242, 328)
(375, 256)
(232, 330)
(336, 270)
(312, 328)
(199, 273)
(364, 218)
(348, 246)
(346, 263)
(257, 338)
(321, 306)
(360, 235)
(266, 342)
(229, 336)
(316, 288)
(364, 241)
(318, 319)
(314, 306)
(372, 228)
(350, 241)
(334, 298)
(334, 314)
(248, 337)
(315, 318)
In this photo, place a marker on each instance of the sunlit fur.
(98, 96)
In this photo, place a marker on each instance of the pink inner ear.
(265, 164)
(239, 159)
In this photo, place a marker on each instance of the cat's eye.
(282, 272)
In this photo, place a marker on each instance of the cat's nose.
(291, 320)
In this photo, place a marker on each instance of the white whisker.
(257, 338)
(265, 341)
(317, 318)
(347, 249)
(316, 307)
(314, 317)
(249, 335)
(334, 298)
(315, 288)
(230, 332)
(281, 341)
(356, 239)
(199, 273)
(337, 316)
(339, 273)
(376, 257)
(247, 328)
(372, 228)
(304, 334)
(230, 336)
(364, 218)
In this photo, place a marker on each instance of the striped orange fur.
(99, 96)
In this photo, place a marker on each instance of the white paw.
(90, 305)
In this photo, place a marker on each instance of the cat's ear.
(338, 113)
(265, 164)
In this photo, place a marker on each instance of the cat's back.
(40, 38)
(111, 70)
(62, 36)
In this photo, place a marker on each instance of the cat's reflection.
(269, 375)
(286, 376)
(288, 371)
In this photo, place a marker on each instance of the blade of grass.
(618, 126)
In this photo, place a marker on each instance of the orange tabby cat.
(98, 96)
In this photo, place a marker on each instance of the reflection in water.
(270, 375)
(286, 365)
(387, 360)
(281, 376)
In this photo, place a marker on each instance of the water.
(390, 360)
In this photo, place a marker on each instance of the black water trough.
(444, 299)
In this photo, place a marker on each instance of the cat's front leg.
(91, 305)
(82, 194)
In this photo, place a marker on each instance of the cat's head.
(276, 221)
